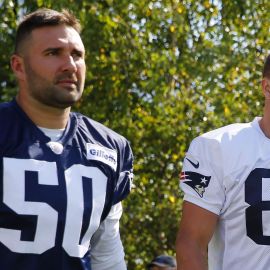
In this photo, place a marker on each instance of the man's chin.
(69, 99)
(62, 103)
(67, 103)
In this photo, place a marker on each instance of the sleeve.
(201, 179)
(125, 180)
(107, 251)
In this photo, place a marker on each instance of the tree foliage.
(160, 73)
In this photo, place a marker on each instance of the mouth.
(67, 83)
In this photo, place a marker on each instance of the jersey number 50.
(47, 216)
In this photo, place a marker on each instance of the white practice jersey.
(227, 171)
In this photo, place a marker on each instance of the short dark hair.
(41, 18)
(266, 67)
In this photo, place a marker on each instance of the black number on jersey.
(254, 196)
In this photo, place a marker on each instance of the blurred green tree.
(160, 73)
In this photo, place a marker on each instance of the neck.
(265, 121)
(43, 115)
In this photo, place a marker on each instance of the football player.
(226, 181)
(63, 175)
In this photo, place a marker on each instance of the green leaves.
(160, 73)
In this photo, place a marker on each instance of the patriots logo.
(195, 180)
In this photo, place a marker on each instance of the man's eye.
(51, 53)
(77, 54)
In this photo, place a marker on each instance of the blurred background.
(160, 73)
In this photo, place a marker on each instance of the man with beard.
(63, 175)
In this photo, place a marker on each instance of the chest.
(51, 200)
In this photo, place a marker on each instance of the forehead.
(56, 36)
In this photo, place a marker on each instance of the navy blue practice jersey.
(52, 199)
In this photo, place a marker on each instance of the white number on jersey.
(47, 216)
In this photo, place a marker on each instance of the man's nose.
(69, 64)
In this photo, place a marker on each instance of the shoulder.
(99, 132)
(10, 112)
(7, 116)
(229, 131)
(227, 135)
(228, 143)
(10, 125)
(84, 121)
(6, 107)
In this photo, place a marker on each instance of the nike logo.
(195, 165)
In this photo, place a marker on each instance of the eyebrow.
(61, 49)
(53, 49)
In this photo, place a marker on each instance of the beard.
(50, 93)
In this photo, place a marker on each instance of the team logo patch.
(195, 180)
(103, 154)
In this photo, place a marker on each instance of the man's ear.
(17, 66)
(266, 88)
